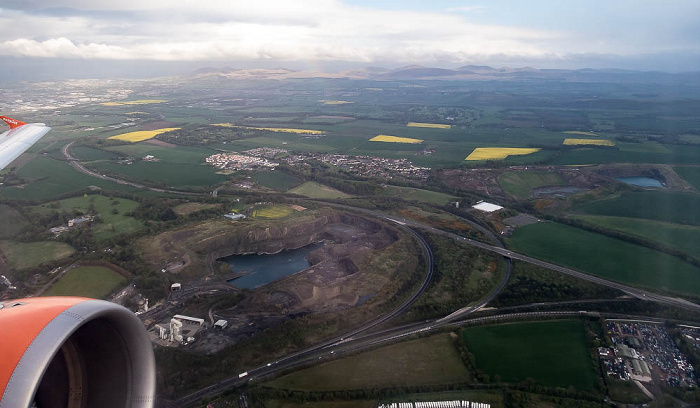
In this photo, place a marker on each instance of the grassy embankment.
(521, 183)
(314, 190)
(417, 194)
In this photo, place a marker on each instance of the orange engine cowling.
(69, 352)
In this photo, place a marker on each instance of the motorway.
(350, 346)
(636, 292)
(353, 341)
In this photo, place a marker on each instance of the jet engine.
(70, 352)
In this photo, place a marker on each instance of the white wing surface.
(18, 139)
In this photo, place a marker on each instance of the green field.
(85, 153)
(416, 194)
(683, 237)
(272, 211)
(276, 180)
(606, 257)
(171, 174)
(49, 178)
(29, 255)
(179, 154)
(553, 353)
(650, 152)
(178, 167)
(690, 174)
(12, 222)
(679, 208)
(111, 224)
(89, 281)
(312, 189)
(521, 183)
(432, 360)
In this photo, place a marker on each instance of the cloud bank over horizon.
(356, 32)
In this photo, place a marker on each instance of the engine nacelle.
(69, 352)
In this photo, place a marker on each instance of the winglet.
(12, 122)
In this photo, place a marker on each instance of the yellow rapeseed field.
(428, 125)
(394, 139)
(578, 132)
(284, 130)
(597, 142)
(138, 102)
(498, 153)
(141, 135)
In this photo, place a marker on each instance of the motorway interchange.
(355, 340)
(358, 339)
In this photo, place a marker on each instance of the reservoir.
(263, 269)
(640, 181)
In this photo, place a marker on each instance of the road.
(636, 292)
(78, 166)
(350, 346)
(303, 356)
(353, 342)
(309, 354)
(639, 293)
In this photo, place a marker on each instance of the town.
(362, 166)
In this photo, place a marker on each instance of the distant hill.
(466, 73)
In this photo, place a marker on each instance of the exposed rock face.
(274, 238)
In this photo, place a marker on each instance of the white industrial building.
(189, 320)
(175, 330)
(220, 324)
(162, 332)
(176, 287)
(486, 207)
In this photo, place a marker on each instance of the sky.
(318, 34)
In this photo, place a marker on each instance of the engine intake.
(92, 354)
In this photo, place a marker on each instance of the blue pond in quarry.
(640, 181)
(262, 269)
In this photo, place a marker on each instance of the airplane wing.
(18, 139)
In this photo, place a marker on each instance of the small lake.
(640, 181)
(263, 269)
